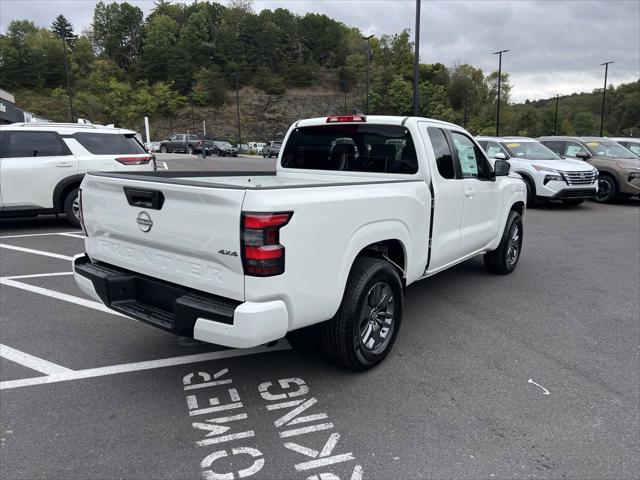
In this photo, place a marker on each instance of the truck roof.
(374, 119)
(506, 139)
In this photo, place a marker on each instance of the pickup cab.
(358, 209)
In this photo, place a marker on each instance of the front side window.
(444, 159)
(34, 144)
(492, 148)
(571, 149)
(634, 147)
(351, 148)
(472, 161)
(109, 143)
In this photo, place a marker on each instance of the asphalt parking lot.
(534, 374)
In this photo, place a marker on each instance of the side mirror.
(501, 168)
(583, 155)
(499, 156)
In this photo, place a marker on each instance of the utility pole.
(366, 110)
(555, 118)
(604, 94)
(66, 72)
(416, 59)
(499, 84)
(238, 109)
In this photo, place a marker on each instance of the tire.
(190, 150)
(503, 260)
(607, 189)
(360, 335)
(163, 149)
(72, 208)
(573, 202)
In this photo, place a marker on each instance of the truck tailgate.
(188, 235)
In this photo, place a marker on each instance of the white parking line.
(36, 252)
(35, 234)
(60, 296)
(137, 366)
(37, 275)
(29, 361)
(74, 235)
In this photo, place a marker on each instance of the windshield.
(608, 150)
(352, 148)
(530, 151)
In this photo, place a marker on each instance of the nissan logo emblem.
(582, 176)
(144, 221)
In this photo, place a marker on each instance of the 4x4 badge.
(144, 221)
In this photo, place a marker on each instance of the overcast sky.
(556, 46)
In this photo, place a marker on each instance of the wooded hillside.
(180, 65)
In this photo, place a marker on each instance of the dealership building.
(9, 113)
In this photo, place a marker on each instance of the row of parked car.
(571, 169)
(194, 144)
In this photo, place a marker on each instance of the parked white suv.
(42, 164)
(548, 176)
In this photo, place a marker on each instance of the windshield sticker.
(593, 144)
(513, 145)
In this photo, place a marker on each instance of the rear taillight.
(134, 160)
(80, 213)
(262, 254)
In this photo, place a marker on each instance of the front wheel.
(504, 259)
(72, 207)
(573, 202)
(607, 189)
(163, 149)
(363, 331)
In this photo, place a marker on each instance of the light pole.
(604, 93)
(238, 109)
(499, 83)
(464, 116)
(366, 110)
(416, 59)
(555, 118)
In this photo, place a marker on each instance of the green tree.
(63, 29)
(117, 32)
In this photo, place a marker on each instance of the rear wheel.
(607, 189)
(504, 259)
(363, 331)
(573, 202)
(190, 150)
(72, 207)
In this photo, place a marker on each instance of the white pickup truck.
(359, 208)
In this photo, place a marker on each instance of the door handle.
(469, 192)
(64, 164)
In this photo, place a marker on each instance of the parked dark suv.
(619, 168)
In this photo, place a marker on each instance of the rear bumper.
(181, 310)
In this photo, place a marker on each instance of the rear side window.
(557, 147)
(109, 143)
(572, 148)
(34, 144)
(351, 148)
(444, 159)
